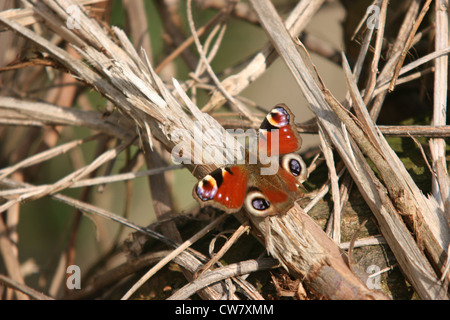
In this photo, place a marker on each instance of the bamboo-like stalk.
(441, 182)
(31, 113)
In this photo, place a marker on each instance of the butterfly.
(236, 186)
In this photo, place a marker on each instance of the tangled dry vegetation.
(49, 66)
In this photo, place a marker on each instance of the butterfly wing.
(272, 194)
(277, 133)
(224, 188)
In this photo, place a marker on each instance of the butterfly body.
(231, 188)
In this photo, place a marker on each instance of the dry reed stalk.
(232, 270)
(336, 214)
(441, 182)
(10, 260)
(31, 113)
(27, 291)
(171, 256)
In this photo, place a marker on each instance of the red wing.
(284, 142)
(280, 191)
(281, 188)
(278, 134)
(223, 188)
(275, 196)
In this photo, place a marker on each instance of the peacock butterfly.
(232, 187)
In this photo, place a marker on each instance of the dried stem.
(172, 255)
(440, 183)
